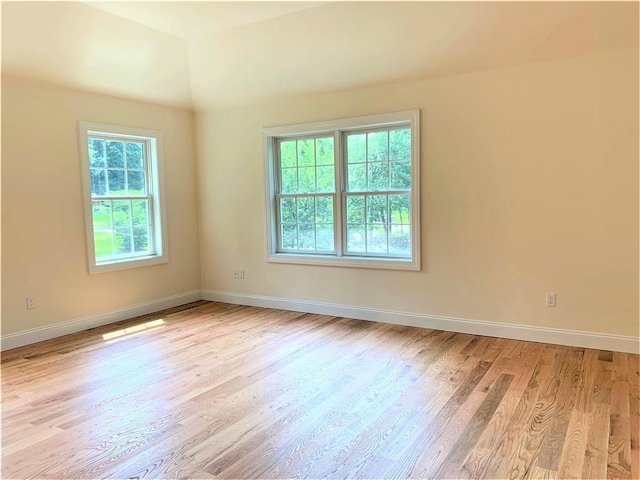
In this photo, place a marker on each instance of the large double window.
(124, 213)
(345, 192)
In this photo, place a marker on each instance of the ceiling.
(208, 55)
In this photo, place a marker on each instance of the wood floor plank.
(212, 390)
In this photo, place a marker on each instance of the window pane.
(140, 212)
(288, 210)
(136, 184)
(121, 213)
(122, 240)
(307, 236)
(289, 237)
(377, 209)
(326, 179)
(378, 176)
(355, 238)
(356, 148)
(134, 155)
(98, 182)
(400, 240)
(305, 210)
(289, 180)
(116, 182)
(401, 175)
(377, 146)
(141, 239)
(101, 211)
(357, 180)
(399, 207)
(103, 242)
(400, 144)
(115, 154)
(288, 154)
(324, 209)
(306, 153)
(324, 151)
(307, 179)
(97, 155)
(355, 209)
(324, 237)
(376, 239)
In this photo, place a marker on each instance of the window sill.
(346, 261)
(128, 263)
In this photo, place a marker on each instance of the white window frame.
(155, 186)
(337, 128)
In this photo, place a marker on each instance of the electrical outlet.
(31, 303)
(550, 300)
(236, 274)
(241, 274)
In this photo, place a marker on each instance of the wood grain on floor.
(213, 390)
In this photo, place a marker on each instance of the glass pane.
(288, 210)
(103, 242)
(307, 236)
(288, 154)
(98, 182)
(357, 180)
(377, 146)
(355, 209)
(136, 184)
(115, 154)
(122, 240)
(134, 155)
(356, 148)
(289, 180)
(326, 179)
(101, 211)
(377, 209)
(399, 207)
(355, 238)
(116, 182)
(140, 212)
(121, 213)
(400, 144)
(306, 153)
(97, 154)
(141, 239)
(376, 239)
(305, 210)
(324, 237)
(324, 209)
(307, 179)
(401, 175)
(324, 151)
(289, 237)
(378, 176)
(400, 240)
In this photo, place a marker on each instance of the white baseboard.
(601, 341)
(28, 337)
(618, 343)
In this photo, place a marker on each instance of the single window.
(124, 214)
(345, 192)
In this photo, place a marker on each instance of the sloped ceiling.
(207, 55)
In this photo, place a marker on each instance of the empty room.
(320, 240)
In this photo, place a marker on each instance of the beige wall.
(529, 185)
(44, 251)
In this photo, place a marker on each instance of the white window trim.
(156, 185)
(269, 135)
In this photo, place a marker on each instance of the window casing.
(125, 220)
(345, 192)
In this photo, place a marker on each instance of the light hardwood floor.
(224, 391)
